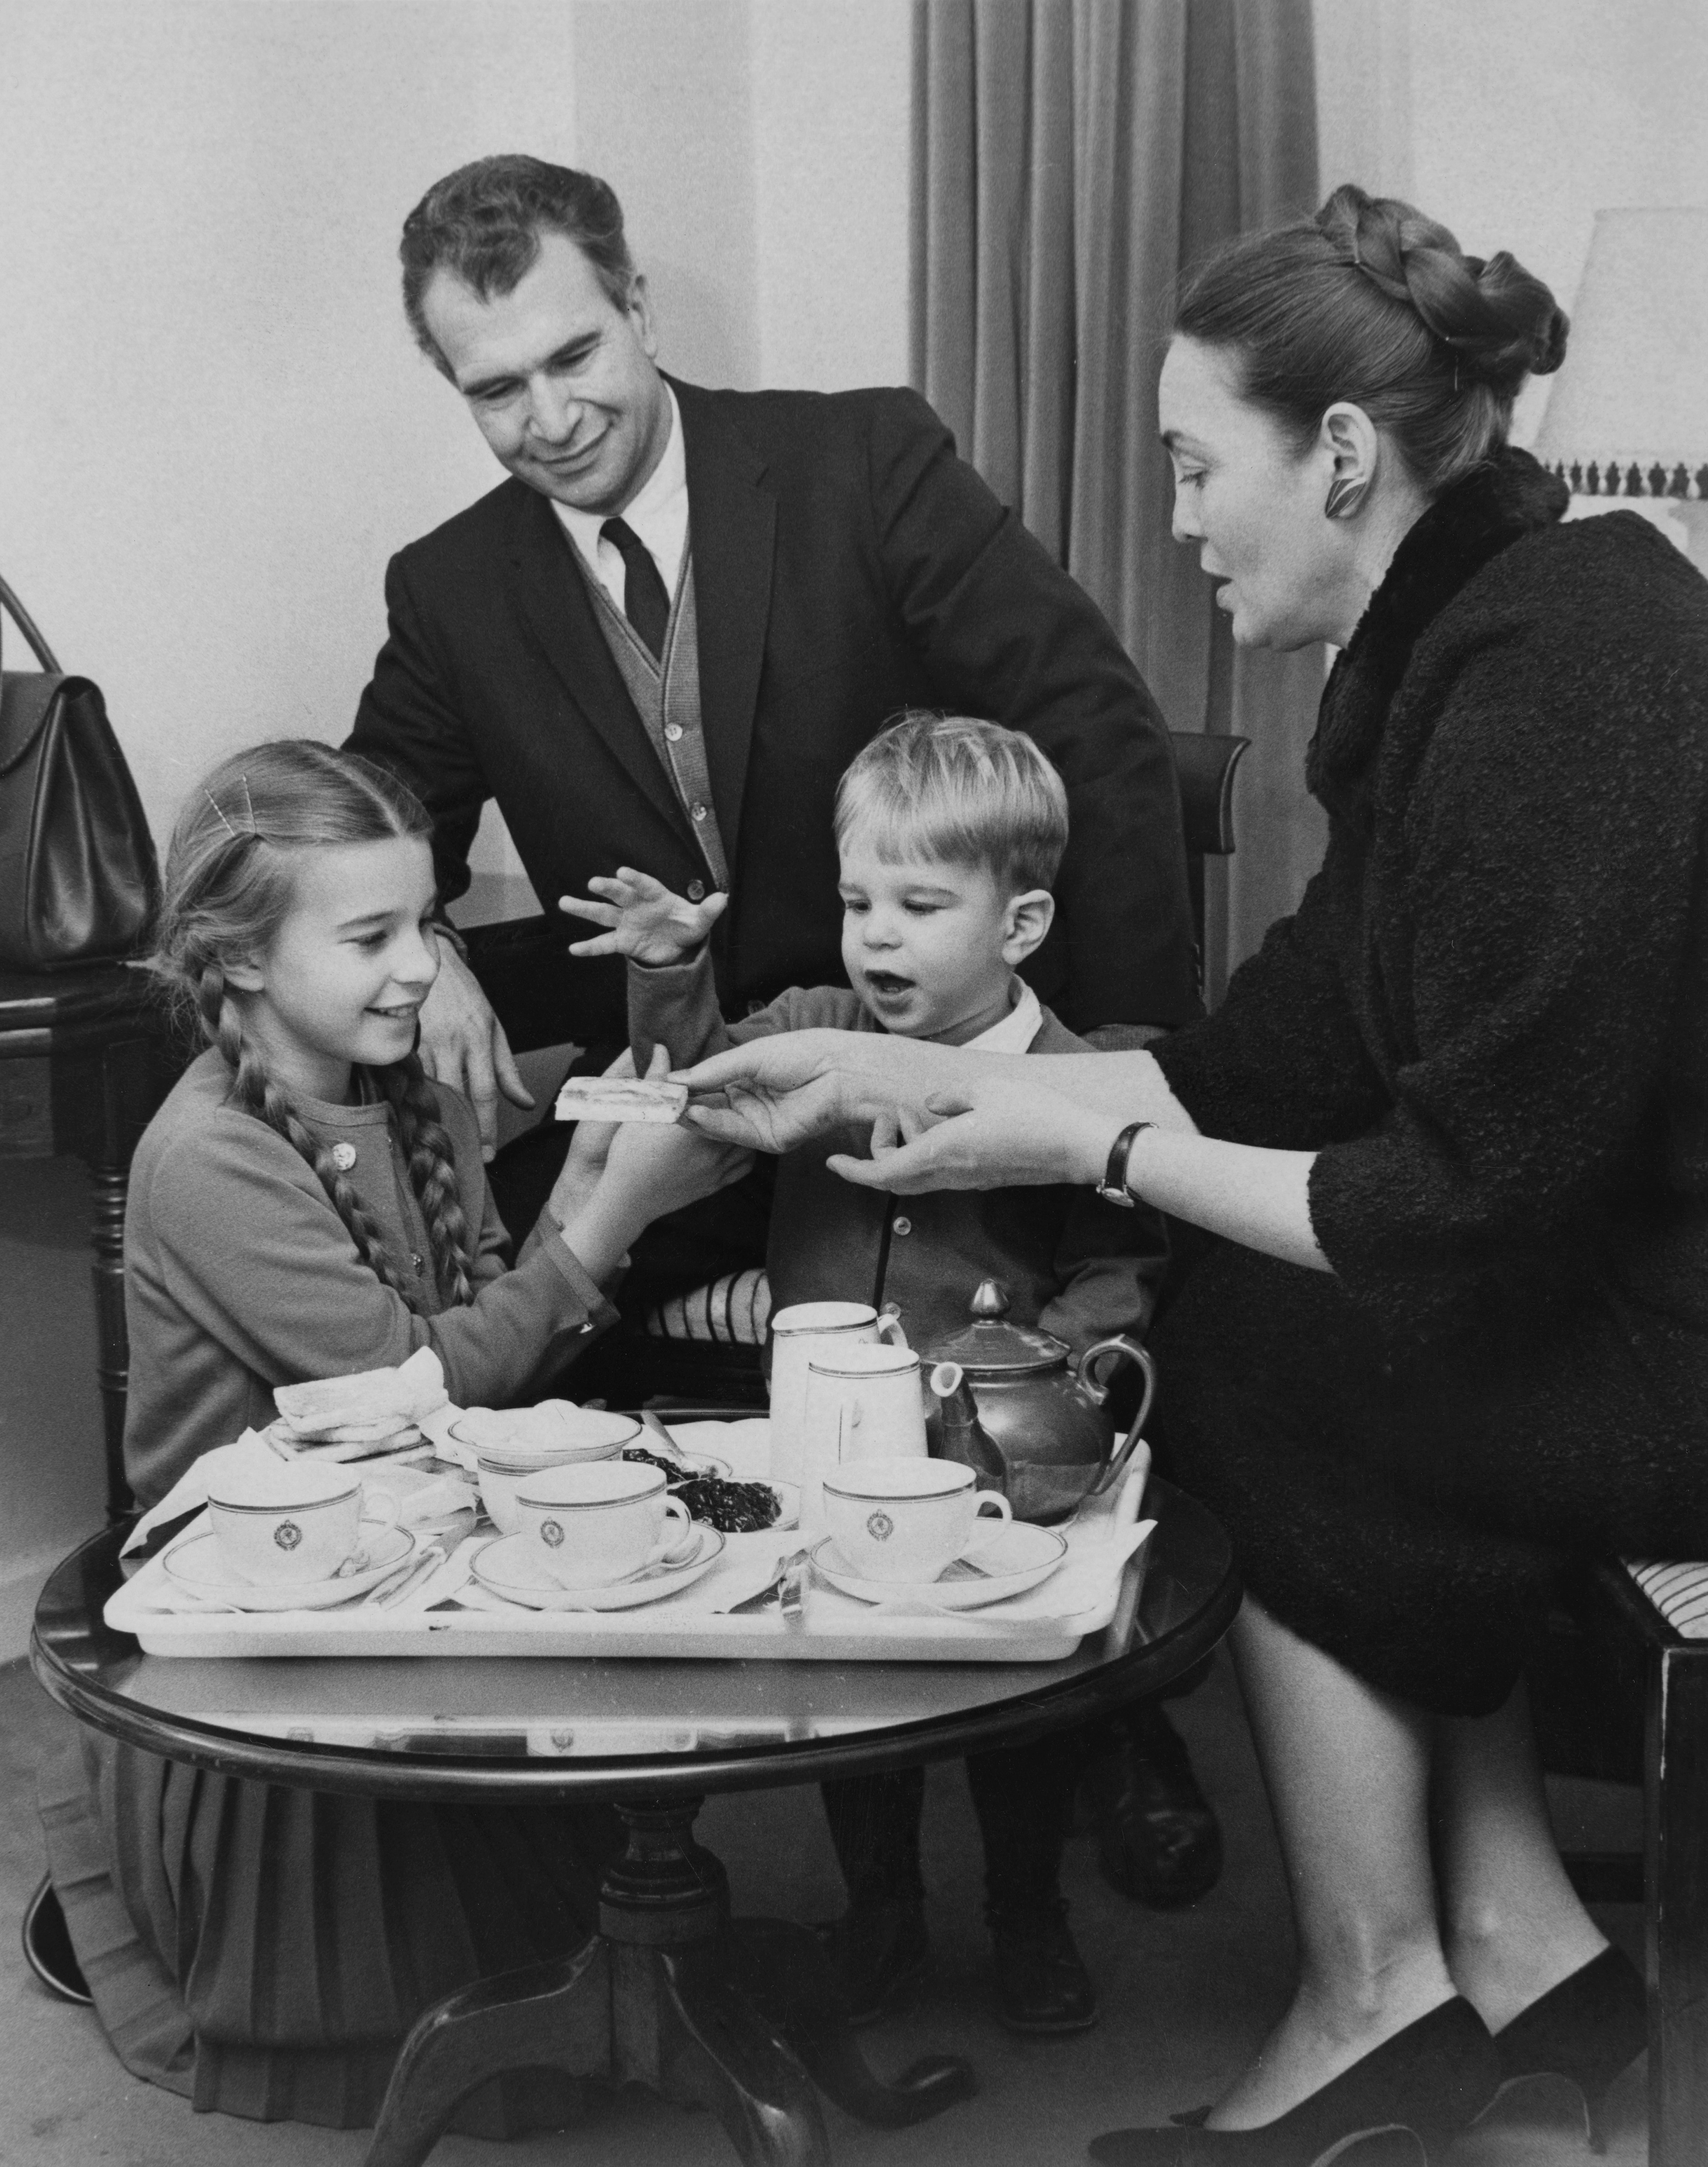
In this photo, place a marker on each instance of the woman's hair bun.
(1502, 322)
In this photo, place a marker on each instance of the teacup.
(906, 1519)
(513, 1444)
(501, 1479)
(294, 1521)
(797, 1332)
(586, 1525)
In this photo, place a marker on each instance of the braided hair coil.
(1501, 323)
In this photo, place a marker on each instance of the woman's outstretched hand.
(983, 1131)
(779, 1092)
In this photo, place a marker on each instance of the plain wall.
(1514, 121)
(664, 112)
(832, 113)
(217, 426)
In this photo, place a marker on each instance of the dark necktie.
(645, 603)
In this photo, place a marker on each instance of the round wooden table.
(742, 2017)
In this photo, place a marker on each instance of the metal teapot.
(1011, 1408)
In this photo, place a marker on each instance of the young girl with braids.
(306, 1203)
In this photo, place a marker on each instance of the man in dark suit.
(834, 563)
(659, 643)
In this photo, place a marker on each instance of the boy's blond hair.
(970, 793)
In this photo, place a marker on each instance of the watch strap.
(1113, 1188)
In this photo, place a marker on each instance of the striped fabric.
(1678, 1591)
(732, 1311)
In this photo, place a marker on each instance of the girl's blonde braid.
(427, 1154)
(256, 1092)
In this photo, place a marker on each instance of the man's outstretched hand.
(463, 1045)
(645, 922)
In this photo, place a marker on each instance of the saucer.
(506, 1568)
(1008, 1564)
(195, 1563)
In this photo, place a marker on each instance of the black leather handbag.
(79, 880)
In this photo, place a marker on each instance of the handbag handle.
(26, 624)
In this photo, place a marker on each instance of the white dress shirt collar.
(1017, 1029)
(658, 512)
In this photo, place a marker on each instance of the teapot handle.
(1107, 1355)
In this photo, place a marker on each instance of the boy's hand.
(647, 923)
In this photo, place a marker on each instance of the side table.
(737, 2014)
(85, 1059)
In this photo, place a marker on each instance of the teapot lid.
(990, 1347)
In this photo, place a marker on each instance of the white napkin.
(404, 1392)
(421, 1498)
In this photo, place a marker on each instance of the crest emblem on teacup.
(550, 1532)
(287, 1534)
(880, 1526)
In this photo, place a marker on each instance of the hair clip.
(221, 810)
(254, 825)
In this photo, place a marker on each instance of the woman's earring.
(1345, 495)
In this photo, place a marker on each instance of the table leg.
(717, 2049)
(667, 1993)
(552, 2015)
(783, 1969)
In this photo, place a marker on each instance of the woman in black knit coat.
(1449, 1131)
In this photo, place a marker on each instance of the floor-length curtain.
(1071, 156)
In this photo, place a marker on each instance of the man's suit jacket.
(847, 565)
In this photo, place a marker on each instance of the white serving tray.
(1037, 1627)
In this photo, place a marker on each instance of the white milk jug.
(795, 1332)
(863, 1402)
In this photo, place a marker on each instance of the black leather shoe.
(1432, 2079)
(47, 1947)
(879, 1953)
(1586, 2030)
(1157, 1840)
(1042, 1985)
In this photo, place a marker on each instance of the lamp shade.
(1628, 415)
